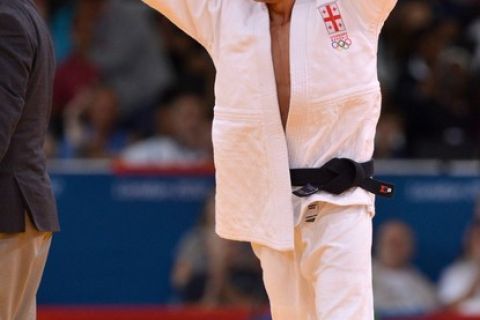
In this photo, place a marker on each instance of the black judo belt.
(337, 176)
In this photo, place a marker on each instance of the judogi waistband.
(337, 176)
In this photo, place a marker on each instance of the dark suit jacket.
(26, 77)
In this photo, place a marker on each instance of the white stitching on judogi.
(335, 103)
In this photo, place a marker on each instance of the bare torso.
(280, 34)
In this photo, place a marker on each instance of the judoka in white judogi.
(317, 270)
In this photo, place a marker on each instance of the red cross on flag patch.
(332, 18)
(336, 28)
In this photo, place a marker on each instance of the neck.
(281, 11)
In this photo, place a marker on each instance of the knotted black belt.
(337, 176)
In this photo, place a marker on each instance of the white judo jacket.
(334, 108)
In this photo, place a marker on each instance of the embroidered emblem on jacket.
(336, 28)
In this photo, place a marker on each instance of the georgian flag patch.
(336, 28)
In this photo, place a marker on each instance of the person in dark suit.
(28, 213)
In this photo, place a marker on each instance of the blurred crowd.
(214, 272)
(430, 71)
(401, 289)
(132, 86)
(129, 85)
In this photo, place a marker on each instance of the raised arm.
(198, 18)
(16, 56)
(375, 11)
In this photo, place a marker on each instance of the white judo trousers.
(328, 274)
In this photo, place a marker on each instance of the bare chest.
(280, 37)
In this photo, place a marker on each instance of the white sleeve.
(197, 18)
(375, 12)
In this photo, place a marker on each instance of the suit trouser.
(328, 274)
(22, 261)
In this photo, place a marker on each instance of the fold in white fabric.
(335, 103)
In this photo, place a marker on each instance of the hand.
(79, 104)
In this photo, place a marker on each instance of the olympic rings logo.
(341, 43)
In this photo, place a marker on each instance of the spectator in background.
(130, 57)
(390, 138)
(182, 136)
(91, 125)
(76, 72)
(425, 64)
(212, 271)
(429, 65)
(443, 126)
(396, 45)
(193, 66)
(459, 287)
(399, 288)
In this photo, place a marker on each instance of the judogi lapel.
(335, 104)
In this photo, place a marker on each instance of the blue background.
(119, 233)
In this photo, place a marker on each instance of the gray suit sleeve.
(15, 62)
